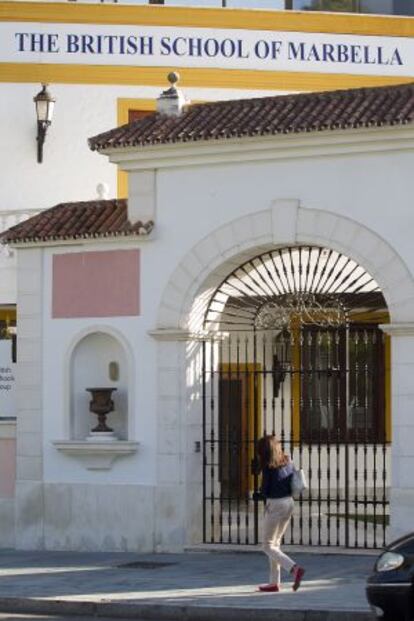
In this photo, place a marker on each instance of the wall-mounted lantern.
(44, 111)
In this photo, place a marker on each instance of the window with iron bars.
(379, 7)
(342, 384)
(8, 328)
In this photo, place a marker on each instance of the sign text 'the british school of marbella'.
(198, 47)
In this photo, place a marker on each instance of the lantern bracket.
(44, 111)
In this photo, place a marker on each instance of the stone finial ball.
(173, 77)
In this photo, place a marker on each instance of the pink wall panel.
(7, 467)
(96, 284)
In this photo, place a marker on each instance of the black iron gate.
(312, 371)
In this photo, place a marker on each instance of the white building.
(245, 218)
(221, 54)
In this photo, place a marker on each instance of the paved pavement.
(29, 617)
(195, 585)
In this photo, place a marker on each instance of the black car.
(390, 588)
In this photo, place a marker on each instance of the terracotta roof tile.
(304, 112)
(89, 219)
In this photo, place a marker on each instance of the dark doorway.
(231, 437)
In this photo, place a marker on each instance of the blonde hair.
(270, 453)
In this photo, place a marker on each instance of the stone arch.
(119, 339)
(186, 296)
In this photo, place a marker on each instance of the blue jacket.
(277, 482)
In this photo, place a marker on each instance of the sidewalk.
(194, 586)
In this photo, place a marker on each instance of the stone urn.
(101, 404)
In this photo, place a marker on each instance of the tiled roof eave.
(298, 113)
(53, 239)
(263, 147)
(220, 140)
(98, 219)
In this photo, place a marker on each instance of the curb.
(172, 612)
(237, 548)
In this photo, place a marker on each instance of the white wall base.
(81, 517)
(7, 538)
(98, 517)
(402, 512)
(29, 515)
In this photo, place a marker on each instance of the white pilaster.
(179, 464)
(29, 476)
(141, 191)
(402, 379)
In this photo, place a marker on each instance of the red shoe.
(298, 573)
(269, 588)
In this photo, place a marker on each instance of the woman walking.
(277, 470)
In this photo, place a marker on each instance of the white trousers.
(278, 512)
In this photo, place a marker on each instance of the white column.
(29, 507)
(402, 387)
(178, 496)
(142, 196)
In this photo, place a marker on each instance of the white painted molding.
(253, 149)
(96, 455)
(174, 334)
(398, 329)
(177, 334)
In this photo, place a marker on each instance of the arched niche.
(98, 360)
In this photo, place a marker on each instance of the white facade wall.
(70, 171)
(363, 187)
(206, 216)
(8, 282)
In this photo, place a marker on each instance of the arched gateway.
(294, 349)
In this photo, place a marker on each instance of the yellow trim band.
(127, 104)
(203, 78)
(342, 23)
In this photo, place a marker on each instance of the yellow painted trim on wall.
(124, 105)
(207, 18)
(8, 314)
(203, 78)
(127, 104)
